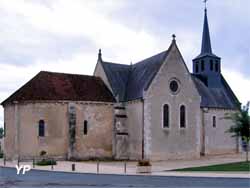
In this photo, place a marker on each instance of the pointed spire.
(206, 43)
(100, 55)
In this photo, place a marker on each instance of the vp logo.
(25, 168)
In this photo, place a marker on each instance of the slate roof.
(59, 86)
(129, 81)
(222, 97)
(206, 48)
(118, 75)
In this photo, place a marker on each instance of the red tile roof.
(60, 86)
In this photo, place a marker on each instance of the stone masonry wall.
(26, 145)
(173, 142)
(217, 140)
(134, 123)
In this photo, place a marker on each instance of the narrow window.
(85, 127)
(182, 116)
(211, 65)
(202, 65)
(41, 128)
(217, 66)
(197, 67)
(214, 121)
(165, 116)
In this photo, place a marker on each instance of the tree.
(1, 132)
(241, 126)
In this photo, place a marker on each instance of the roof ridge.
(128, 65)
(63, 73)
(114, 63)
(164, 51)
(47, 85)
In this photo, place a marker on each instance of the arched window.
(182, 116)
(214, 121)
(217, 66)
(197, 67)
(41, 128)
(165, 116)
(85, 127)
(202, 65)
(211, 65)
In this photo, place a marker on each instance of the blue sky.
(65, 35)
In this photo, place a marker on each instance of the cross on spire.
(205, 2)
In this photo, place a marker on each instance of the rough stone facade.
(173, 142)
(135, 125)
(22, 138)
(217, 140)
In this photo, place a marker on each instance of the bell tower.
(207, 65)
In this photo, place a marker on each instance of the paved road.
(44, 179)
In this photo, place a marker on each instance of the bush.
(46, 162)
(43, 153)
(144, 163)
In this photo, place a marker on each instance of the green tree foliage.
(1, 132)
(241, 125)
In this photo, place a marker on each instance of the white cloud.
(37, 28)
(239, 84)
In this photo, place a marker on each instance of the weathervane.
(205, 1)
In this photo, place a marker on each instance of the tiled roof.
(129, 81)
(222, 97)
(59, 86)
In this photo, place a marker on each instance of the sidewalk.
(158, 168)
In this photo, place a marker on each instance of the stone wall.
(97, 143)
(99, 72)
(22, 130)
(121, 144)
(217, 140)
(135, 123)
(173, 142)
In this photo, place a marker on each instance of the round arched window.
(174, 86)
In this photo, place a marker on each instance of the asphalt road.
(45, 179)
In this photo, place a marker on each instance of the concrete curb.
(160, 174)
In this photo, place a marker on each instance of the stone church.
(154, 109)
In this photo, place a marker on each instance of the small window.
(174, 86)
(217, 66)
(182, 116)
(165, 116)
(214, 121)
(197, 67)
(41, 128)
(211, 65)
(202, 65)
(85, 127)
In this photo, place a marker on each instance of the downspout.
(203, 133)
(143, 142)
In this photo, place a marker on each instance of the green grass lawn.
(229, 167)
